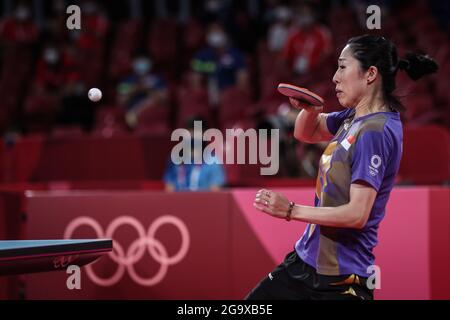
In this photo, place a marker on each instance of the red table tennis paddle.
(301, 94)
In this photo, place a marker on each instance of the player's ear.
(371, 74)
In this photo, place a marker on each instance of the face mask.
(277, 37)
(141, 66)
(22, 13)
(51, 56)
(216, 39)
(282, 14)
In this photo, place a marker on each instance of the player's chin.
(345, 103)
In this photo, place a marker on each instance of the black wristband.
(289, 212)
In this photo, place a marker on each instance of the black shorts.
(294, 279)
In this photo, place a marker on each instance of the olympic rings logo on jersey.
(146, 240)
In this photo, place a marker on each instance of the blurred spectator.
(91, 42)
(284, 121)
(55, 68)
(310, 156)
(270, 10)
(58, 92)
(95, 25)
(220, 61)
(216, 10)
(279, 30)
(55, 24)
(194, 177)
(310, 43)
(163, 9)
(141, 89)
(20, 28)
(70, 62)
(296, 159)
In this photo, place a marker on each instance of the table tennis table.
(29, 256)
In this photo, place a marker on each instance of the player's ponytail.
(417, 65)
(377, 51)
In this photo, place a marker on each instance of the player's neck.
(371, 103)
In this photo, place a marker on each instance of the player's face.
(349, 80)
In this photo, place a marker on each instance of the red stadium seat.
(110, 122)
(271, 105)
(4, 119)
(271, 71)
(244, 124)
(153, 119)
(127, 38)
(426, 155)
(237, 174)
(40, 111)
(267, 59)
(192, 103)
(162, 43)
(67, 132)
(442, 80)
(417, 106)
(194, 36)
(235, 103)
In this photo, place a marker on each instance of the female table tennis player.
(356, 175)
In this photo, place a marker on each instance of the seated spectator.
(194, 177)
(141, 89)
(54, 69)
(308, 45)
(279, 29)
(284, 121)
(220, 61)
(20, 28)
(296, 159)
(95, 26)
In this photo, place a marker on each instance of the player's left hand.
(273, 203)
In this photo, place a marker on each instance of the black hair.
(371, 50)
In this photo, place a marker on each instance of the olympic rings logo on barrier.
(146, 240)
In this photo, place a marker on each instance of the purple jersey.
(366, 149)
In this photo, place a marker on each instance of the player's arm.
(311, 124)
(354, 214)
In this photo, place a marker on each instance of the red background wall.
(232, 245)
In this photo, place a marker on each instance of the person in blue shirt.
(194, 177)
(141, 89)
(219, 60)
(207, 176)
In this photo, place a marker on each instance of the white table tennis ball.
(94, 94)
